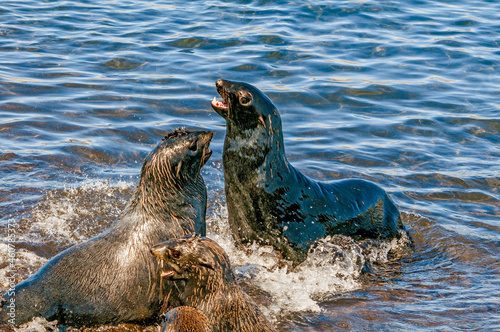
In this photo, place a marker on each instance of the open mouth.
(168, 274)
(205, 139)
(219, 104)
(173, 271)
(206, 155)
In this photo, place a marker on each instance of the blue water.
(402, 93)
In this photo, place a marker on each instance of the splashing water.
(75, 214)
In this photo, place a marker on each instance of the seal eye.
(245, 99)
(193, 147)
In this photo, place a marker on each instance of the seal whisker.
(161, 283)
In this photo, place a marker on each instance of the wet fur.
(112, 277)
(211, 287)
(185, 319)
(271, 202)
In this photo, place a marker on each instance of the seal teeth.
(219, 103)
(167, 274)
(175, 267)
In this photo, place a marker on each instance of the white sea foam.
(38, 325)
(62, 214)
(26, 262)
(53, 219)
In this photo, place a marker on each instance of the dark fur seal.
(113, 277)
(210, 285)
(271, 202)
(185, 319)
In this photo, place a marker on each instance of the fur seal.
(210, 285)
(113, 278)
(271, 202)
(185, 319)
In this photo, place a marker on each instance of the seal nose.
(159, 250)
(219, 82)
(206, 137)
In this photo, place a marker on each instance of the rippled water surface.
(402, 93)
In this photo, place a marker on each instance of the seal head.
(191, 257)
(180, 153)
(244, 106)
(209, 284)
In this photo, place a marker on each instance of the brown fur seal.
(210, 285)
(271, 202)
(113, 277)
(185, 319)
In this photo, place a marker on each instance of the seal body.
(271, 202)
(210, 285)
(113, 278)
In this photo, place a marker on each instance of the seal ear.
(245, 98)
(203, 261)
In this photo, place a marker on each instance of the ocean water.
(401, 93)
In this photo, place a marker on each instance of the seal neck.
(257, 156)
(182, 204)
(210, 292)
